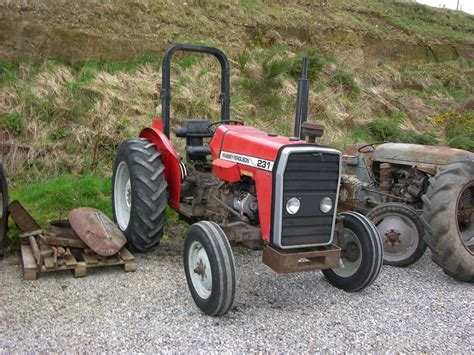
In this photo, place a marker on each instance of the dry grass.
(66, 119)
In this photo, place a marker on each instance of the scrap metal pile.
(87, 239)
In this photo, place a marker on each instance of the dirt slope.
(359, 32)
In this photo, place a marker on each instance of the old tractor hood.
(423, 156)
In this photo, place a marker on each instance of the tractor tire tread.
(218, 249)
(441, 230)
(149, 194)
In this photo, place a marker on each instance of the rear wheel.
(139, 194)
(209, 267)
(361, 255)
(3, 208)
(449, 219)
(401, 231)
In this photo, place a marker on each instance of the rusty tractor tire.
(407, 245)
(3, 208)
(361, 256)
(139, 194)
(451, 240)
(210, 268)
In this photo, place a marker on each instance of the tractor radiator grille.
(310, 177)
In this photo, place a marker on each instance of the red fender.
(169, 158)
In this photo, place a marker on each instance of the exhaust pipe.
(302, 100)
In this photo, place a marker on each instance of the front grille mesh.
(310, 176)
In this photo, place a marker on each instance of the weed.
(13, 123)
(387, 130)
(399, 117)
(458, 128)
(346, 80)
(316, 63)
(8, 72)
(248, 4)
(463, 140)
(59, 134)
(243, 59)
(188, 61)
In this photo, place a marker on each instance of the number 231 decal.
(247, 160)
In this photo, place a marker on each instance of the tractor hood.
(249, 146)
(422, 156)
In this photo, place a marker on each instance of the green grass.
(388, 130)
(55, 198)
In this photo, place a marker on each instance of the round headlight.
(325, 205)
(293, 205)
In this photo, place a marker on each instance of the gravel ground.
(413, 309)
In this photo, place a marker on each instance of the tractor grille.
(309, 176)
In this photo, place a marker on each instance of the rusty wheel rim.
(399, 234)
(465, 216)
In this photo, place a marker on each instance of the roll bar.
(165, 93)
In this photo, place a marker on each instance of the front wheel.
(401, 231)
(210, 268)
(361, 254)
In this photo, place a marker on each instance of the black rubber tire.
(148, 194)
(221, 259)
(440, 220)
(371, 255)
(4, 209)
(377, 214)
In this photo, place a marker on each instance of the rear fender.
(169, 158)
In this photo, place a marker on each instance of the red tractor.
(243, 185)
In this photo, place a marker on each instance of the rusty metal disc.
(97, 231)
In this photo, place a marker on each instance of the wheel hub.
(128, 194)
(393, 237)
(399, 232)
(200, 269)
(352, 251)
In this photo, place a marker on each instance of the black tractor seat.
(195, 130)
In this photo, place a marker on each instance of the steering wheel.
(371, 145)
(235, 122)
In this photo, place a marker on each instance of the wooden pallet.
(78, 262)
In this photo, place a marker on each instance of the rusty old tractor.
(240, 184)
(418, 197)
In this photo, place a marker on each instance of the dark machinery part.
(246, 203)
(302, 100)
(385, 177)
(312, 131)
(3, 208)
